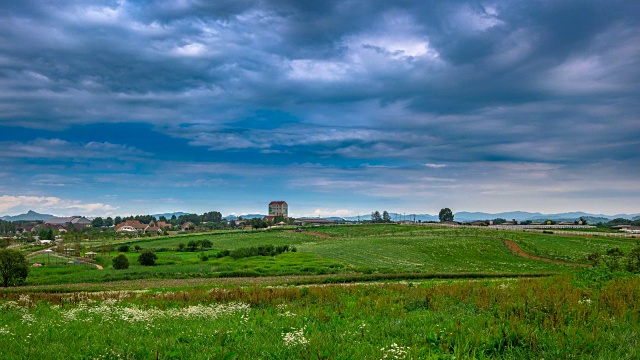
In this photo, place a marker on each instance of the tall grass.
(549, 318)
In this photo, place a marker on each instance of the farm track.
(517, 250)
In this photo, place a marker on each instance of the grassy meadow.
(347, 292)
(363, 249)
(550, 318)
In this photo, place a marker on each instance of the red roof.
(278, 202)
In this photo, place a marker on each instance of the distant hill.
(29, 216)
(169, 215)
(246, 217)
(398, 217)
(523, 216)
(518, 215)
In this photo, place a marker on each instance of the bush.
(202, 256)
(13, 267)
(123, 248)
(120, 262)
(137, 248)
(147, 258)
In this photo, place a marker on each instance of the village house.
(68, 223)
(131, 226)
(187, 226)
(279, 208)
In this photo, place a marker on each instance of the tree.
(147, 258)
(212, 216)
(123, 248)
(46, 234)
(192, 245)
(445, 215)
(108, 222)
(375, 217)
(97, 222)
(120, 262)
(117, 220)
(386, 217)
(13, 267)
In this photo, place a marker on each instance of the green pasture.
(567, 248)
(363, 249)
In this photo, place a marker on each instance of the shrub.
(205, 244)
(147, 258)
(192, 245)
(181, 247)
(137, 248)
(123, 248)
(202, 256)
(13, 267)
(120, 262)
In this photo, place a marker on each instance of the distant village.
(278, 215)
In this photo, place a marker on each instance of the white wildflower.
(394, 351)
(294, 338)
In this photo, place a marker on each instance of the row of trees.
(377, 218)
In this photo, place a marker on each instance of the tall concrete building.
(278, 208)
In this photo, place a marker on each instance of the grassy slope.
(345, 249)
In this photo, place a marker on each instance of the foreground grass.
(547, 318)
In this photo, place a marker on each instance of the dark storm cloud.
(403, 83)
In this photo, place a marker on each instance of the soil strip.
(517, 250)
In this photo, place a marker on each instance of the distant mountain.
(246, 217)
(398, 217)
(636, 218)
(169, 215)
(524, 216)
(29, 216)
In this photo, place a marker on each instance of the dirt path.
(517, 250)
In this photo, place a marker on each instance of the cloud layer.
(499, 105)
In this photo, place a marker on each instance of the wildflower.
(28, 319)
(294, 338)
(394, 352)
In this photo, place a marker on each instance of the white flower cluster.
(5, 331)
(394, 351)
(9, 305)
(585, 301)
(109, 312)
(25, 300)
(287, 314)
(294, 338)
(28, 319)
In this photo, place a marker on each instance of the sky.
(338, 107)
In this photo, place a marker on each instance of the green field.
(348, 292)
(363, 249)
(548, 318)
